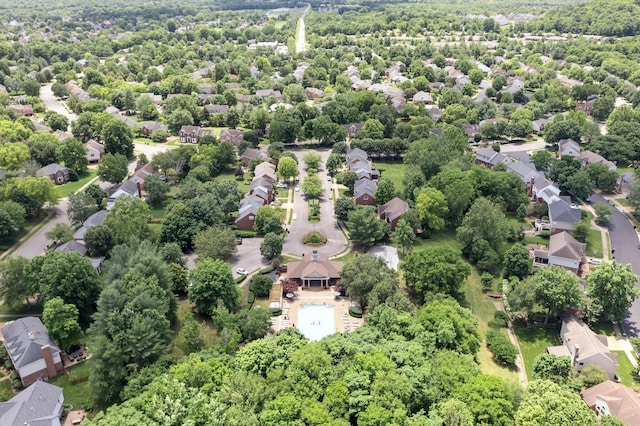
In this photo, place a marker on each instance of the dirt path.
(522, 372)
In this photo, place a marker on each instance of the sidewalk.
(621, 343)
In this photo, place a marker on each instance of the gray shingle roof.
(36, 405)
(24, 339)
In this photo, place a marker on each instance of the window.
(365, 198)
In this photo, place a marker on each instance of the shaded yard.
(533, 342)
(392, 170)
(79, 394)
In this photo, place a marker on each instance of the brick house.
(57, 173)
(392, 211)
(233, 136)
(364, 192)
(148, 127)
(34, 354)
(193, 134)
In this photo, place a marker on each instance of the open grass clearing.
(625, 369)
(209, 333)
(71, 187)
(392, 170)
(594, 243)
(533, 342)
(79, 394)
(229, 174)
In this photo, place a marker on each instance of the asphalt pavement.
(52, 103)
(624, 239)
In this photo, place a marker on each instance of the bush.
(275, 312)
(503, 350)
(497, 323)
(355, 312)
(267, 270)
(314, 212)
(261, 285)
(245, 234)
(501, 315)
(314, 238)
(251, 298)
(240, 279)
(8, 365)
(15, 375)
(486, 279)
(16, 384)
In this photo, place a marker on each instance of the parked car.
(242, 271)
(239, 240)
(594, 261)
(331, 196)
(282, 185)
(297, 188)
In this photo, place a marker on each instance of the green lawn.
(76, 395)
(393, 170)
(440, 238)
(5, 391)
(70, 187)
(229, 174)
(533, 342)
(594, 243)
(158, 212)
(209, 334)
(625, 370)
(536, 240)
(623, 201)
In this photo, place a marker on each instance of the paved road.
(625, 241)
(36, 245)
(530, 146)
(300, 42)
(336, 241)
(52, 103)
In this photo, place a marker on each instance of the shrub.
(355, 312)
(240, 279)
(497, 323)
(251, 298)
(261, 285)
(267, 270)
(8, 365)
(503, 350)
(15, 375)
(501, 315)
(314, 212)
(314, 238)
(486, 279)
(245, 234)
(16, 384)
(275, 312)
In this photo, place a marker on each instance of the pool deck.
(318, 296)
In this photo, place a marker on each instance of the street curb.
(22, 240)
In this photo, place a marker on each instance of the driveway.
(388, 254)
(336, 242)
(52, 103)
(247, 257)
(625, 241)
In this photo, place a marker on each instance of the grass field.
(594, 243)
(533, 342)
(230, 175)
(446, 237)
(393, 170)
(75, 395)
(209, 334)
(70, 187)
(623, 201)
(625, 370)
(5, 391)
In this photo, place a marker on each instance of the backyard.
(392, 170)
(533, 343)
(77, 395)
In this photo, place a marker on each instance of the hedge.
(267, 270)
(503, 350)
(355, 312)
(245, 234)
(251, 298)
(275, 312)
(240, 279)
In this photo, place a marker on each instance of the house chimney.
(139, 185)
(314, 256)
(48, 360)
(576, 351)
(530, 189)
(31, 335)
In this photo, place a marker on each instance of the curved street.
(52, 103)
(624, 239)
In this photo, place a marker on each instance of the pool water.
(316, 321)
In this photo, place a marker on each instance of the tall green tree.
(287, 168)
(157, 190)
(557, 289)
(61, 320)
(118, 138)
(312, 186)
(385, 191)
(431, 207)
(215, 243)
(271, 246)
(365, 228)
(546, 403)
(613, 287)
(129, 217)
(455, 327)
(73, 155)
(312, 160)
(16, 286)
(404, 235)
(211, 283)
(81, 205)
(435, 270)
(363, 274)
(113, 168)
(516, 261)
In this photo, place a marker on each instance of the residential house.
(266, 169)
(563, 215)
(148, 127)
(470, 130)
(589, 157)
(251, 153)
(247, 215)
(233, 136)
(54, 171)
(243, 99)
(40, 404)
(489, 158)
(25, 110)
(353, 129)
(216, 108)
(435, 113)
(265, 93)
(262, 187)
(364, 192)
(313, 93)
(539, 125)
(95, 151)
(436, 85)
(392, 211)
(193, 134)
(130, 122)
(613, 399)
(566, 251)
(93, 220)
(34, 354)
(315, 270)
(62, 135)
(422, 97)
(73, 246)
(568, 147)
(584, 347)
(132, 186)
(585, 107)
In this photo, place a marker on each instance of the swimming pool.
(316, 321)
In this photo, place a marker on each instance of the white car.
(297, 188)
(331, 196)
(242, 271)
(282, 185)
(594, 261)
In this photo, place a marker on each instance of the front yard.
(625, 370)
(70, 187)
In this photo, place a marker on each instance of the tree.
(42, 147)
(73, 154)
(264, 222)
(284, 126)
(365, 228)
(312, 186)
(431, 207)
(253, 323)
(31, 193)
(118, 138)
(613, 287)
(603, 213)
(99, 240)
(581, 230)
(60, 233)
(516, 262)
(59, 90)
(347, 179)
(521, 299)
(488, 399)
(211, 283)
(334, 162)
(191, 334)
(580, 185)
(129, 217)
(61, 320)
(12, 154)
(312, 160)
(455, 327)
(97, 193)
(546, 403)
(480, 242)
(271, 246)
(261, 285)
(453, 411)
(15, 284)
(56, 121)
(69, 276)
(435, 270)
(542, 160)
(404, 235)
(216, 242)
(113, 168)
(81, 206)
(557, 289)
(385, 191)
(342, 208)
(363, 275)
(287, 168)
(156, 190)
(592, 375)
